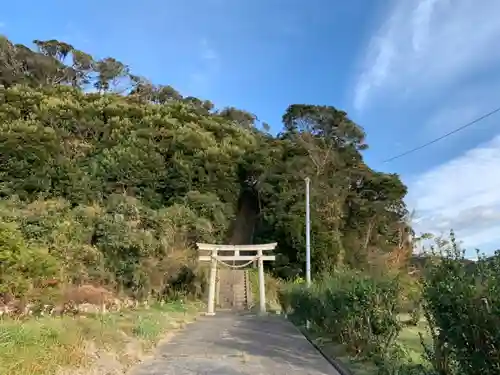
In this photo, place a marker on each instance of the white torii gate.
(214, 257)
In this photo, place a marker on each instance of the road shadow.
(232, 343)
(275, 338)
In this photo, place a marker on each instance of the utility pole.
(308, 235)
(308, 243)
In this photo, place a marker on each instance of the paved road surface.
(231, 344)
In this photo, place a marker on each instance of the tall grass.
(350, 308)
(460, 302)
(356, 317)
(272, 287)
(47, 345)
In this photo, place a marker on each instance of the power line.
(443, 136)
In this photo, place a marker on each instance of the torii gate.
(214, 258)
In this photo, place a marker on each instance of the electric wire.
(443, 136)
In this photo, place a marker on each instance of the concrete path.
(231, 344)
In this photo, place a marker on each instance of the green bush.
(22, 266)
(396, 361)
(462, 305)
(351, 308)
(120, 244)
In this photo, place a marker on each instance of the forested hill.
(106, 177)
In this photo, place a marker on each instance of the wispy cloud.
(208, 66)
(462, 194)
(427, 46)
(466, 104)
(207, 53)
(450, 118)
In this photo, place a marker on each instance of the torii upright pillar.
(214, 257)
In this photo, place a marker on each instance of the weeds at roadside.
(46, 345)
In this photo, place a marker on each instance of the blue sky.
(407, 71)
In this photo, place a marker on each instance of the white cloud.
(207, 53)
(450, 118)
(209, 62)
(464, 105)
(462, 194)
(428, 45)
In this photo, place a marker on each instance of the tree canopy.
(109, 174)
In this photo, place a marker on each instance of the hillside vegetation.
(108, 179)
(443, 320)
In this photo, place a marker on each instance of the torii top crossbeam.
(214, 257)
